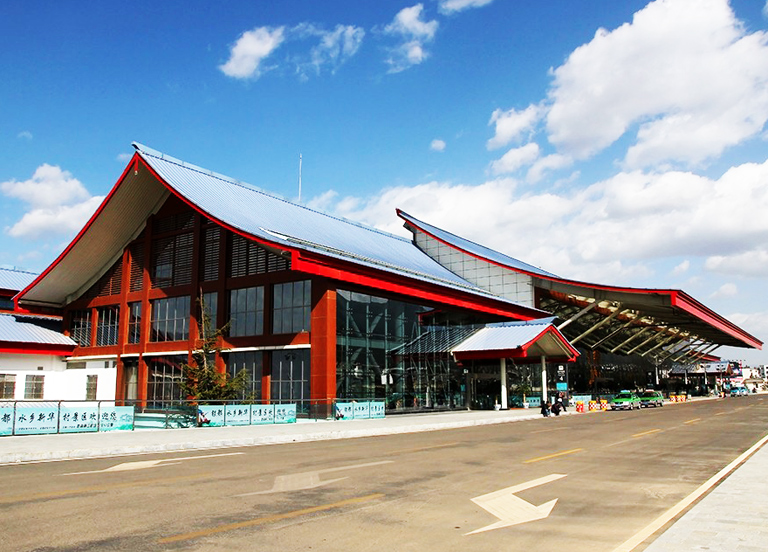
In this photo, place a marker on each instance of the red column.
(323, 343)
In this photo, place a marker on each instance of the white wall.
(60, 383)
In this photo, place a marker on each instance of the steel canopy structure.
(661, 324)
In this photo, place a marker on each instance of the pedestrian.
(545, 406)
(556, 408)
(561, 401)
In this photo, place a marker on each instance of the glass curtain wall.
(385, 352)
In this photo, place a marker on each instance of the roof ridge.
(250, 187)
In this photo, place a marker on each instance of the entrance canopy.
(523, 342)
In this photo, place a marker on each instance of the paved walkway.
(731, 518)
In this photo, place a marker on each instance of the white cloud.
(682, 268)
(414, 33)
(685, 73)
(250, 50)
(334, 47)
(437, 145)
(614, 231)
(542, 165)
(48, 187)
(765, 10)
(726, 290)
(512, 125)
(24, 134)
(454, 6)
(516, 158)
(59, 204)
(58, 220)
(124, 157)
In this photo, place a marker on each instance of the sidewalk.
(731, 518)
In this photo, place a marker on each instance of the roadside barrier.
(579, 406)
(603, 404)
(593, 406)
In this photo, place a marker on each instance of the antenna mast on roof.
(299, 178)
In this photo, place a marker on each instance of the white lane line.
(637, 539)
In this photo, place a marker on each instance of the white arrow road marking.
(512, 510)
(309, 480)
(144, 464)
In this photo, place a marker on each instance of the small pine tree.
(202, 382)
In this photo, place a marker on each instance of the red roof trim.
(688, 304)
(347, 272)
(20, 348)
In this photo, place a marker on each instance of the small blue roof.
(33, 330)
(474, 248)
(15, 280)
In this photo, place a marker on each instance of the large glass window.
(291, 307)
(290, 377)
(130, 379)
(170, 319)
(80, 327)
(164, 381)
(134, 322)
(33, 387)
(246, 311)
(252, 362)
(172, 261)
(211, 305)
(108, 324)
(7, 386)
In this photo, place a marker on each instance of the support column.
(323, 354)
(543, 379)
(504, 404)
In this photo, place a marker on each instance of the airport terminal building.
(319, 308)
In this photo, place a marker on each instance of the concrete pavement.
(731, 518)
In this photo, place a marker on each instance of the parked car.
(651, 398)
(626, 400)
(738, 391)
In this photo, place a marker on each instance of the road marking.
(640, 537)
(420, 449)
(721, 414)
(548, 430)
(692, 421)
(555, 455)
(99, 488)
(269, 519)
(646, 432)
(511, 509)
(309, 480)
(145, 464)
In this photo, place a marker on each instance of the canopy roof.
(33, 335)
(315, 242)
(663, 323)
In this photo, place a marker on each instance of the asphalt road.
(611, 473)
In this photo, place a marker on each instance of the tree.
(202, 382)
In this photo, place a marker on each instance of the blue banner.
(285, 413)
(82, 419)
(362, 411)
(210, 416)
(116, 418)
(345, 411)
(377, 409)
(262, 414)
(32, 420)
(6, 419)
(237, 414)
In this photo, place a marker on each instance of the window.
(252, 362)
(106, 328)
(90, 387)
(209, 254)
(137, 266)
(164, 381)
(33, 388)
(134, 322)
(172, 261)
(246, 311)
(6, 304)
(290, 377)
(170, 319)
(291, 307)
(130, 379)
(7, 386)
(246, 258)
(80, 327)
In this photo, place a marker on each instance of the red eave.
(20, 348)
(683, 301)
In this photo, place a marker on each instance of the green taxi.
(651, 398)
(626, 400)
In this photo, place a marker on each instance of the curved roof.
(29, 334)
(319, 243)
(613, 318)
(15, 280)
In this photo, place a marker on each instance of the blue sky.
(616, 142)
